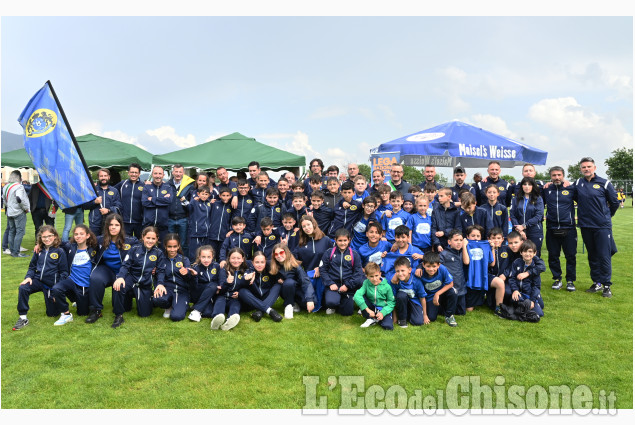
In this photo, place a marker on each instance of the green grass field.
(154, 363)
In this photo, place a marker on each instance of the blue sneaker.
(64, 319)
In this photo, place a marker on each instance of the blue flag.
(54, 153)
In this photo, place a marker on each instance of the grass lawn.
(154, 363)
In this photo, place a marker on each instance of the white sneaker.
(330, 311)
(195, 316)
(368, 322)
(166, 313)
(7, 251)
(296, 308)
(23, 249)
(231, 322)
(288, 311)
(64, 319)
(217, 321)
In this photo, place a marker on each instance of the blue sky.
(329, 87)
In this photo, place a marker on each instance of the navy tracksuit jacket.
(156, 209)
(109, 199)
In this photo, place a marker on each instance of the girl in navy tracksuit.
(496, 212)
(296, 285)
(174, 294)
(141, 267)
(342, 274)
(263, 291)
(312, 244)
(80, 253)
(235, 276)
(205, 284)
(200, 213)
(48, 266)
(113, 248)
(527, 211)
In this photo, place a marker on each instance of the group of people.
(396, 252)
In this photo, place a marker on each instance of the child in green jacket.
(375, 299)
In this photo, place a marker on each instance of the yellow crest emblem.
(140, 188)
(179, 264)
(164, 191)
(152, 258)
(249, 201)
(353, 207)
(54, 255)
(277, 209)
(499, 213)
(565, 192)
(40, 123)
(501, 188)
(213, 271)
(347, 257)
(229, 210)
(246, 240)
(503, 255)
(110, 192)
(272, 237)
(126, 247)
(596, 186)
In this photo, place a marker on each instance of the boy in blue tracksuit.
(174, 294)
(136, 276)
(342, 274)
(298, 207)
(237, 239)
(156, 200)
(445, 217)
(220, 219)
(288, 231)
(420, 225)
(410, 295)
(496, 212)
(397, 217)
(270, 208)
(200, 214)
(470, 214)
(346, 212)
(267, 238)
(524, 279)
(286, 196)
(322, 214)
(246, 203)
(259, 192)
(107, 202)
(438, 283)
(130, 194)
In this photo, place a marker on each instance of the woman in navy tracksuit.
(235, 276)
(204, 285)
(113, 248)
(263, 291)
(141, 267)
(527, 212)
(48, 266)
(174, 294)
(296, 285)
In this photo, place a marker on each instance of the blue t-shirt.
(420, 227)
(389, 224)
(112, 258)
(480, 258)
(359, 234)
(432, 284)
(388, 267)
(370, 254)
(80, 268)
(413, 288)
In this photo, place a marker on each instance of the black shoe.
(499, 312)
(606, 293)
(596, 287)
(93, 316)
(275, 316)
(256, 315)
(402, 323)
(557, 284)
(118, 321)
(570, 286)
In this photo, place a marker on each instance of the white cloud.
(167, 133)
(493, 124)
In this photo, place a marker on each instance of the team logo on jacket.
(503, 255)
(353, 207)
(501, 188)
(499, 213)
(272, 237)
(240, 276)
(233, 189)
(164, 191)
(596, 186)
(54, 255)
(249, 201)
(277, 209)
(229, 210)
(265, 278)
(179, 264)
(93, 253)
(347, 257)
(293, 234)
(110, 192)
(565, 192)
(40, 123)
(246, 240)
(140, 188)
(126, 247)
(152, 258)
(213, 271)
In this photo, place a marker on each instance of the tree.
(412, 175)
(573, 172)
(364, 170)
(441, 179)
(508, 178)
(620, 164)
(545, 177)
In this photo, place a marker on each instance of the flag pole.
(70, 131)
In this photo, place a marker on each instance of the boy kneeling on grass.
(410, 296)
(525, 277)
(375, 299)
(439, 286)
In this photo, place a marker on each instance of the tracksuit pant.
(251, 301)
(408, 309)
(600, 246)
(194, 245)
(386, 322)
(178, 300)
(569, 245)
(143, 295)
(291, 292)
(536, 236)
(343, 302)
(25, 291)
(74, 292)
(101, 278)
(40, 216)
(225, 303)
(133, 229)
(203, 298)
(447, 305)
